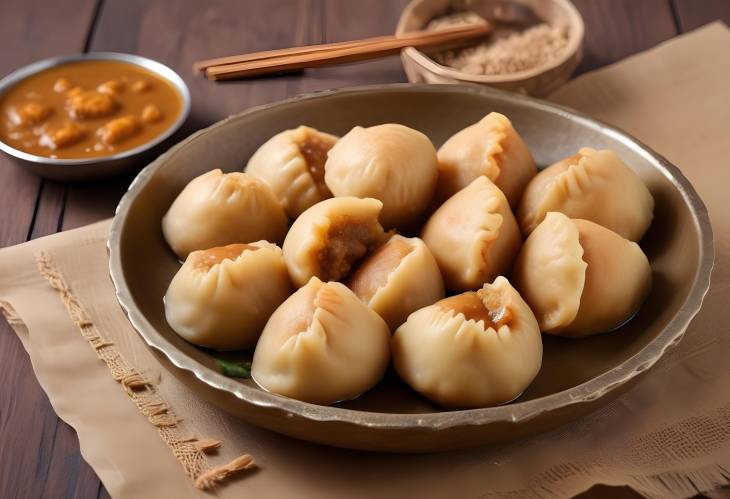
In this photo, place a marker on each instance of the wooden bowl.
(538, 81)
(577, 376)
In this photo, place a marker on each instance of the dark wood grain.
(68, 474)
(692, 14)
(341, 21)
(616, 29)
(40, 454)
(32, 438)
(51, 200)
(178, 37)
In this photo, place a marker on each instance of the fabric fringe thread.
(207, 445)
(667, 485)
(190, 452)
(669, 447)
(209, 479)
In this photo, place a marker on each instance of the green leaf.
(234, 369)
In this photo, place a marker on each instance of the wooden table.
(39, 453)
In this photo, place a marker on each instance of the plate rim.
(584, 393)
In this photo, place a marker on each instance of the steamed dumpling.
(330, 237)
(222, 297)
(322, 345)
(216, 209)
(592, 185)
(473, 236)
(392, 163)
(580, 278)
(477, 349)
(398, 278)
(292, 164)
(490, 147)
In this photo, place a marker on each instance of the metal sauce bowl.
(105, 166)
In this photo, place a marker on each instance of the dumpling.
(398, 278)
(392, 163)
(322, 345)
(580, 278)
(292, 164)
(216, 209)
(330, 237)
(490, 147)
(473, 236)
(477, 349)
(592, 185)
(222, 297)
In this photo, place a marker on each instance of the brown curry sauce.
(87, 109)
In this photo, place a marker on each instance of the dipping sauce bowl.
(112, 160)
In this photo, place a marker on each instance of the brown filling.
(479, 306)
(374, 272)
(314, 150)
(205, 260)
(347, 241)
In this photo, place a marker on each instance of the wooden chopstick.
(309, 49)
(276, 61)
(201, 66)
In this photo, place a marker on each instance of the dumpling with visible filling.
(473, 236)
(492, 148)
(398, 278)
(222, 297)
(592, 185)
(477, 349)
(217, 209)
(329, 238)
(579, 277)
(322, 345)
(292, 164)
(392, 163)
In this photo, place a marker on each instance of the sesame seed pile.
(506, 51)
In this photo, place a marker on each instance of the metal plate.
(577, 375)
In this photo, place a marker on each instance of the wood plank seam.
(674, 9)
(98, 7)
(37, 204)
(59, 223)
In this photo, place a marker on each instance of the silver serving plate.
(92, 168)
(577, 376)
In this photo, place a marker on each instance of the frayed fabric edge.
(189, 451)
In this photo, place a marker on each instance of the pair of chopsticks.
(310, 56)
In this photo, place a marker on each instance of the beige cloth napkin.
(667, 437)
